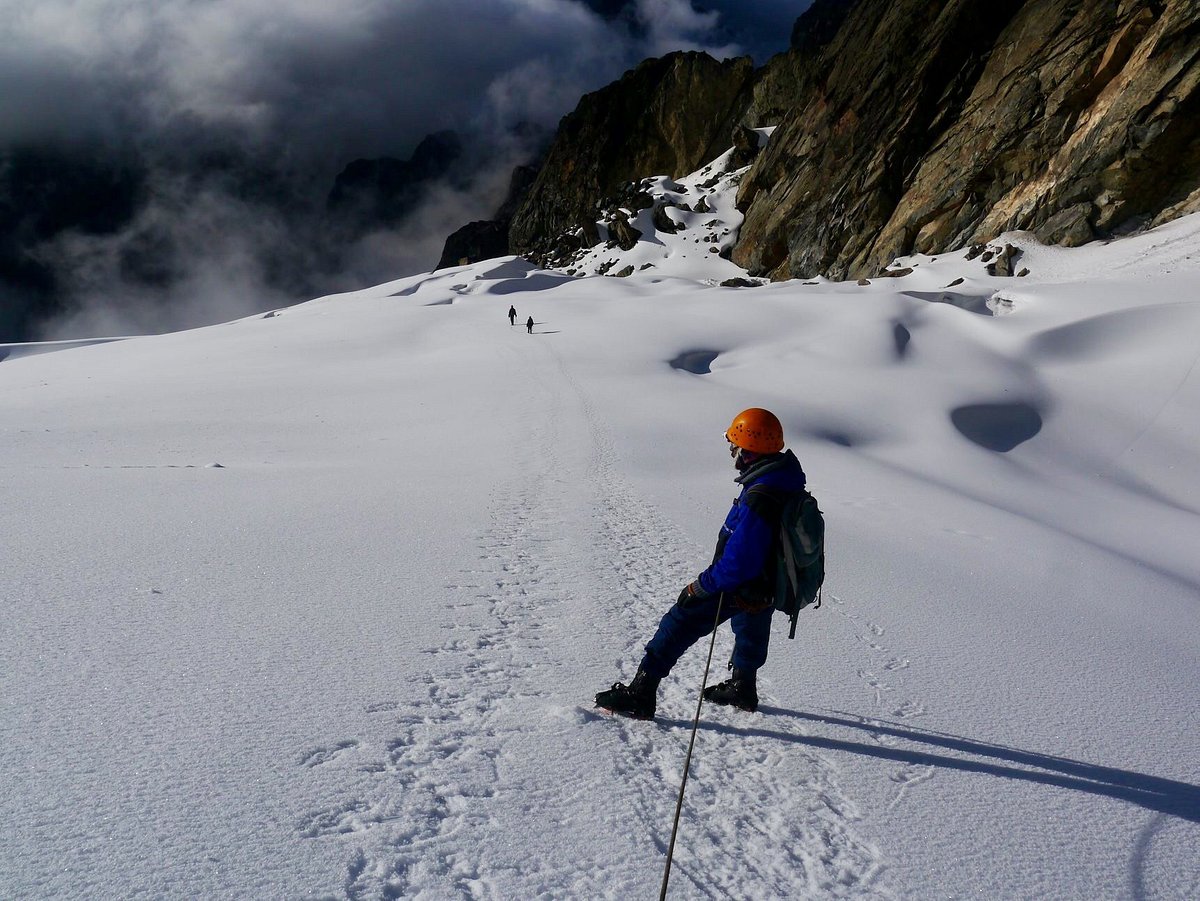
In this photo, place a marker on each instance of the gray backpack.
(798, 566)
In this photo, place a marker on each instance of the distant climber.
(529, 325)
(512, 315)
(737, 583)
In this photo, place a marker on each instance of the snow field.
(314, 604)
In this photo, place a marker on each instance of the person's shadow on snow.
(1165, 796)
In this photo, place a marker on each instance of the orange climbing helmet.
(756, 430)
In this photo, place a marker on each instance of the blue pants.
(682, 627)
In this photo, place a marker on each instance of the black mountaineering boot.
(738, 691)
(634, 700)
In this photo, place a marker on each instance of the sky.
(306, 79)
(316, 604)
(297, 89)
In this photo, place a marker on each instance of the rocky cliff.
(923, 126)
(488, 238)
(905, 125)
(668, 115)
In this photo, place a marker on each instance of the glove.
(693, 593)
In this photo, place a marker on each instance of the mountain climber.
(529, 325)
(736, 583)
(512, 315)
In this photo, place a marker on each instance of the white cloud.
(674, 24)
(361, 77)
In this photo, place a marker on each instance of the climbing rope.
(691, 744)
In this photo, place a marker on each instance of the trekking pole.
(691, 743)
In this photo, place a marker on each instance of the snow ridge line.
(752, 796)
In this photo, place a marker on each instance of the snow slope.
(313, 604)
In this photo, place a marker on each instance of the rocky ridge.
(664, 227)
(904, 126)
(668, 115)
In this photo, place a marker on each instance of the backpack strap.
(766, 502)
(770, 504)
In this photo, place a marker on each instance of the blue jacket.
(746, 539)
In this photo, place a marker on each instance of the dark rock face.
(745, 147)
(895, 74)
(667, 116)
(819, 24)
(623, 233)
(488, 238)
(1004, 260)
(481, 240)
(372, 192)
(663, 222)
(923, 125)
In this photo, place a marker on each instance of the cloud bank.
(292, 90)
